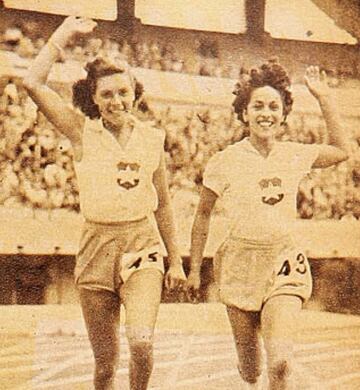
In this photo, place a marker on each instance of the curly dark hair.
(84, 89)
(272, 74)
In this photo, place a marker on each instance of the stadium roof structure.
(99, 9)
(304, 20)
(227, 16)
(345, 14)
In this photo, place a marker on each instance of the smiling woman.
(120, 168)
(108, 85)
(262, 276)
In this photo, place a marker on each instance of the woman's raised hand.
(72, 25)
(316, 82)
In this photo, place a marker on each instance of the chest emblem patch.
(128, 175)
(271, 191)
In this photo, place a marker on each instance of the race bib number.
(293, 262)
(147, 258)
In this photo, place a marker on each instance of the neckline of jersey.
(250, 148)
(115, 142)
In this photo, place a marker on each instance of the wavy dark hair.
(84, 89)
(272, 74)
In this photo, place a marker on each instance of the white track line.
(179, 363)
(327, 344)
(87, 357)
(82, 378)
(329, 356)
(173, 348)
(340, 380)
(210, 377)
(59, 367)
(168, 347)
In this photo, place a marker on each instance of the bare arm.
(199, 235)
(49, 102)
(166, 223)
(337, 150)
(200, 229)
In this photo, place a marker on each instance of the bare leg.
(142, 294)
(245, 326)
(101, 311)
(278, 320)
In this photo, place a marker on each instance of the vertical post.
(58, 275)
(255, 19)
(126, 13)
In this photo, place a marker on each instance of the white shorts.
(248, 273)
(110, 253)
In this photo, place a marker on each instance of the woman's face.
(264, 113)
(114, 96)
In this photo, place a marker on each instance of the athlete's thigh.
(141, 295)
(280, 315)
(279, 318)
(101, 311)
(245, 326)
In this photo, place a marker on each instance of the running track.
(47, 348)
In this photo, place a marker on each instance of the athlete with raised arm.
(120, 168)
(262, 276)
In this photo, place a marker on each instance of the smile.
(116, 109)
(264, 123)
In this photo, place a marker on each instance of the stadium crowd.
(36, 167)
(35, 161)
(205, 61)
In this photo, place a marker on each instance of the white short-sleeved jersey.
(259, 194)
(116, 184)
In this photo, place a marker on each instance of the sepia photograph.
(180, 194)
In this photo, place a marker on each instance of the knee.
(141, 350)
(249, 365)
(279, 370)
(105, 372)
(139, 335)
(249, 374)
(141, 346)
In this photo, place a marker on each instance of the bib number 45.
(299, 266)
(134, 261)
(150, 257)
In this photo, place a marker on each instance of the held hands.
(72, 25)
(316, 82)
(175, 276)
(193, 286)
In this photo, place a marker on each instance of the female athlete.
(120, 168)
(263, 277)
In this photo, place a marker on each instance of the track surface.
(56, 354)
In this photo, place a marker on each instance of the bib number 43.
(299, 266)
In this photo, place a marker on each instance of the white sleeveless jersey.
(259, 194)
(116, 184)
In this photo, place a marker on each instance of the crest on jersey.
(271, 191)
(128, 175)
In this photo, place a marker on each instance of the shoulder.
(231, 152)
(303, 155)
(150, 132)
(93, 126)
(222, 158)
(297, 147)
